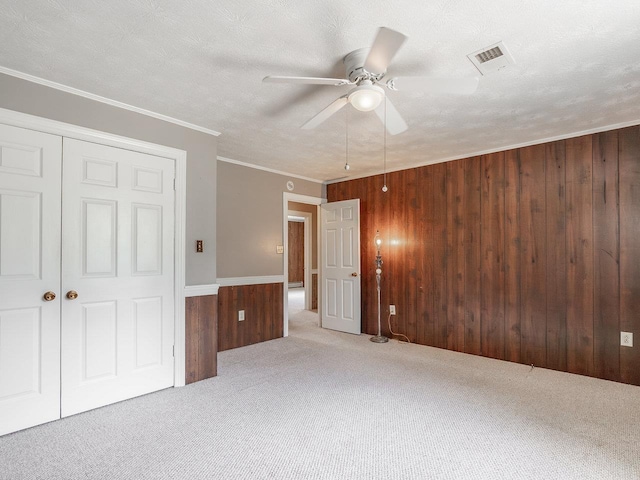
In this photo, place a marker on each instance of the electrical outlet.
(199, 246)
(626, 339)
(241, 315)
(392, 309)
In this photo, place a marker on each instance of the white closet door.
(30, 165)
(118, 255)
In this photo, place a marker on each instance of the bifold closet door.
(30, 166)
(117, 279)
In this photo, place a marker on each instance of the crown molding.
(108, 101)
(267, 169)
(565, 136)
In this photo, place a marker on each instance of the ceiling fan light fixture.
(366, 97)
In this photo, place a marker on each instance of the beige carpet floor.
(326, 405)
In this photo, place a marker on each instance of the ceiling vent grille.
(487, 55)
(491, 59)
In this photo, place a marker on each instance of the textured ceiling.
(577, 68)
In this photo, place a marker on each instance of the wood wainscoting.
(263, 312)
(201, 333)
(314, 291)
(530, 255)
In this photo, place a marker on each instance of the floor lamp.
(379, 338)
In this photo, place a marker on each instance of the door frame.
(306, 220)
(45, 125)
(286, 198)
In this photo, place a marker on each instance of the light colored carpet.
(326, 405)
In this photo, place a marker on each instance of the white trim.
(314, 271)
(201, 290)
(286, 198)
(260, 280)
(565, 136)
(180, 259)
(108, 101)
(54, 127)
(267, 169)
(306, 220)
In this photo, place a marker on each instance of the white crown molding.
(201, 290)
(493, 150)
(267, 169)
(237, 281)
(108, 101)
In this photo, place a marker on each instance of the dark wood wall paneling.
(530, 255)
(263, 309)
(201, 334)
(296, 252)
(314, 291)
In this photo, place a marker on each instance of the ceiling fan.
(366, 69)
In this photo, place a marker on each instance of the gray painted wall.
(250, 219)
(34, 99)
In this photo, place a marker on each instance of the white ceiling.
(202, 61)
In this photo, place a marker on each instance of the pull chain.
(384, 168)
(346, 140)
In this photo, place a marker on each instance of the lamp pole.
(379, 338)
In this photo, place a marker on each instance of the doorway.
(301, 292)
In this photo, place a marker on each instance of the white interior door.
(30, 166)
(340, 267)
(118, 249)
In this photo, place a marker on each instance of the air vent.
(487, 55)
(491, 59)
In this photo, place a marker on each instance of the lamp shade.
(366, 97)
(377, 240)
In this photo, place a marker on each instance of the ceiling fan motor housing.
(354, 67)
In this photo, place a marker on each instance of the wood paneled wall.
(296, 252)
(530, 255)
(201, 334)
(263, 309)
(314, 291)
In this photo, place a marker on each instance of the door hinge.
(174, 183)
(173, 351)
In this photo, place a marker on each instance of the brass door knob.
(49, 296)
(72, 294)
(354, 274)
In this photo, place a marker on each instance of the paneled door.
(117, 281)
(340, 267)
(30, 166)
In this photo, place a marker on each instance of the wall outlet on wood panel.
(392, 309)
(626, 339)
(241, 315)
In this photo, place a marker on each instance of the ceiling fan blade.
(306, 80)
(462, 86)
(326, 113)
(394, 121)
(384, 48)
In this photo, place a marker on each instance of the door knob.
(72, 294)
(49, 296)
(354, 274)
